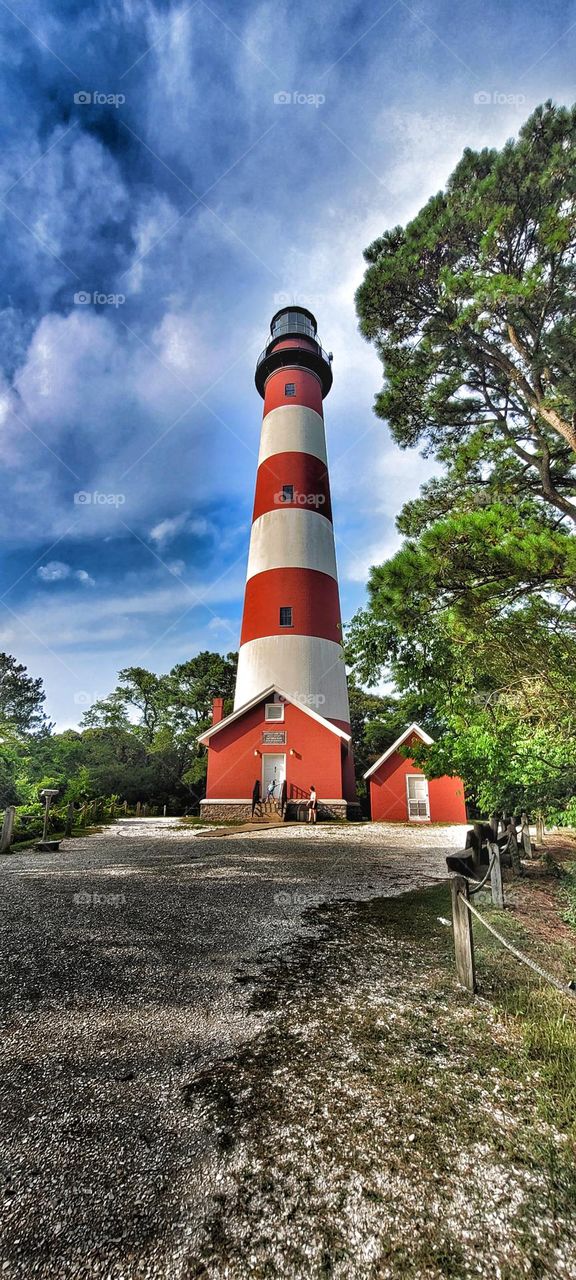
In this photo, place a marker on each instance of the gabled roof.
(413, 728)
(273, 688)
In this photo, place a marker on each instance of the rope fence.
(567, 988)
(463, 887)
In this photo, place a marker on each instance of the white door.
(418, 799)
(273, 770)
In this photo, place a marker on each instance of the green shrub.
(565, 817)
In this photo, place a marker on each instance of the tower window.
(287, 492)
(286, 615)
(290, 389)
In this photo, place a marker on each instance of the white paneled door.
(418, 798)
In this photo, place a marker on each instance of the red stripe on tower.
(292, 480)
(314, 608)
(307, 388)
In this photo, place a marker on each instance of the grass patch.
(20, 846)
(542, 1018)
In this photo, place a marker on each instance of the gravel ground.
(126, 959)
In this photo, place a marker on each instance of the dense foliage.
(472, 308)
(139, 744)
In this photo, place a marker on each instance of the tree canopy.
(21, 697)
(472, 308)
(140, 743)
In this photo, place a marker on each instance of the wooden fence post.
(496, 875)
(477, 845)
(7, 828)
(463, 939)
(513, 847)
(138, 808)
(125, 808)
(539, 827)
(69, 819)
(526, 841)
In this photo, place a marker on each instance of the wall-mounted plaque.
(274, 737)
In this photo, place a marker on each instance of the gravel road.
(126, 962)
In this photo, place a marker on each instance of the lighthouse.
(290, 725)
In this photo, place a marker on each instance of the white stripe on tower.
(311, 670)
(292, 539)
(293, 427)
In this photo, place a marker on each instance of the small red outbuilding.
(401, 792)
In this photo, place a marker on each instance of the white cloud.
(54, 571)
(166, 530)
(119, 614)
(357, 566)
(58, 571)
(180, 345)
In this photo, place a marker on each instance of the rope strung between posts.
(561, 986)
(479, 884)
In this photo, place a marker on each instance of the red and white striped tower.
(291, 629)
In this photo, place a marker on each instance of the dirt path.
(126, 964)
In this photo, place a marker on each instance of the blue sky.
(192, 205)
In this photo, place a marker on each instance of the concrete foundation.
(296, 810)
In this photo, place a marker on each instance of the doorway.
(417, 797)
(273, 770)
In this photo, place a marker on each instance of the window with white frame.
(274, 711)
